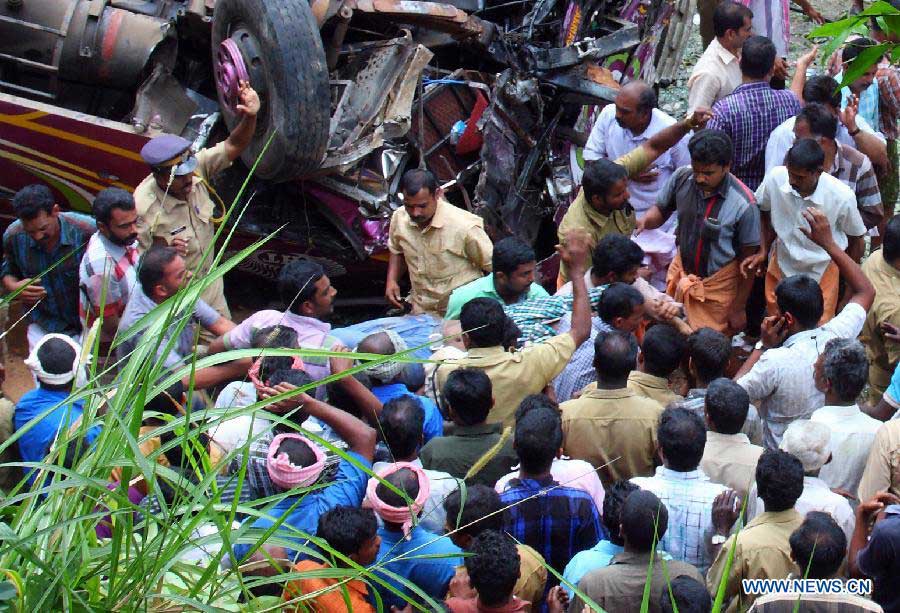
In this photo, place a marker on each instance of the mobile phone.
(177, 230)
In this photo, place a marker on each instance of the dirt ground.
(673, 100)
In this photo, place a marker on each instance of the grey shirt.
(139, 304)
(732, 204)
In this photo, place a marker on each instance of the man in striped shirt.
(107, 272)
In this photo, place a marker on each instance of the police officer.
(174, 204)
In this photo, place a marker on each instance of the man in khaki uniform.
(441, 246)
(611, 426)
(882, 472)
(882, 269)
(762, 549)
(173, 203)
(517, 374)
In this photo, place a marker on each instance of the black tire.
(292, 79)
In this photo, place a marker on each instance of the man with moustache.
(173, 203)
(107, 274)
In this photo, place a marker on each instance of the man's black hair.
(613, 503)
(822, 89)
(270, 364)
(404, 480)
(779, 480)
(618, 300)
(470, 394)
(494, 567)
(682, 438)
(480, 512)
(647, 100)
(819, 545)
(109, 199)
(711, 147)
(339, 398)
(402, 421)
(510, 253)
(189, 446)
(820, 120)
(538, 438)
(729, 16)
(757, 57)
(663, 349)
(801, 296)
(806, 154)
(643, 512)
(727, 405)
(891, 243)
(690, 596)
(709, 352)
(511, 334)
(846, 366)
(31, 200)
(346, 528)
(615, 354)
(484, 322)
(617, 254)
(414, 180)
(297, 282)
(152, 266)
(600, 176)
(852, 49)
(167, 401)
(291, 376)
(533, 401)
(298, 452)
(274, 337)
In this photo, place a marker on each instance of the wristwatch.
(759, 346)
(718, 539)
(855, 132)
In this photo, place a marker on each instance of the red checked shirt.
(110, 266)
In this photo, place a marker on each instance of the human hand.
(180, 245)
(287, 404)
(773, 331)
(666, 311)
(638, 226)
(780, 70)
(249, 104)
(814, 15)
(557, 600)
(848, 114)
(725, 511)
(819, 229)
(875, 505)
(33, 291)
(890, 331)
(574, 250)
(648, 176)
(340, 364)
(753, 266)
(460, 587)
(392, 293)
(699, 117)
(807, 59)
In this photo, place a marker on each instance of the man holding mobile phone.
(174, 204)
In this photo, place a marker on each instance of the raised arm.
(866, 142)
(573, 251)
(862, 292)
(640, 158)
(242, 135)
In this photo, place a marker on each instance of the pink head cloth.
(284, 474)
(399, 515)
(253, 373)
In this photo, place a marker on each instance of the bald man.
(628, 123)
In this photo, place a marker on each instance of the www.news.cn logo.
(757, 587)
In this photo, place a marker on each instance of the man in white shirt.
(853, 130)
(783, 195)
(621, 127)
(778, 374)
(717, 72)
(840, 374)
(808, 442)
(683, 487)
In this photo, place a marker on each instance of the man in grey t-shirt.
(161, 274)
(718, 228)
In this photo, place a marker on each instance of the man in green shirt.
(511, 281)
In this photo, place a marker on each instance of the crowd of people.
(708, 395)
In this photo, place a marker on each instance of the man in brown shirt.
(762, 548)
(612, 427)
(729, 457)
(517, 374)
(882, 472)
(661, 354)
(440, 245)
(620, 586)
